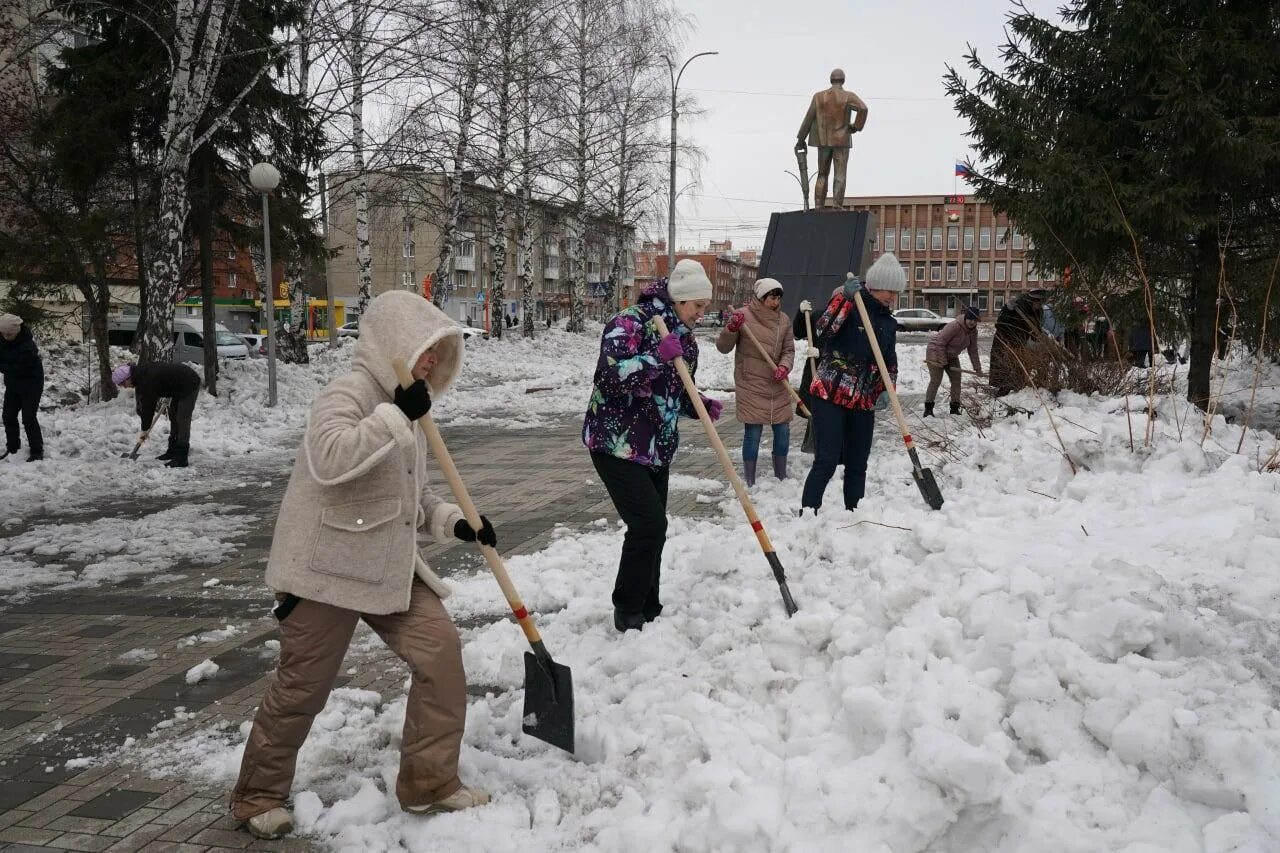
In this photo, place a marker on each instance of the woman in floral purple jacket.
(631, 426)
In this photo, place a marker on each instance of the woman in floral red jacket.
(848, 381)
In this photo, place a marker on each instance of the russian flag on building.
(963, 171)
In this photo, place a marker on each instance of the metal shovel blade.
(928, 487)
(134, 454)
(548, 701)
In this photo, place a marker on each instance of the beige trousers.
(313, 641)
(952, 370)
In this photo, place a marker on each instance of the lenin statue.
(828, 129)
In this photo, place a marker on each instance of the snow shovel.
(923, 476)
(142, 438)
(137, 447)
(765, 545)
(751, 336)
(548, 686)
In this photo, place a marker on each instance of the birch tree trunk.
(364, 253)
(498, 239)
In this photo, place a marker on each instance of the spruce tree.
(1164, 113)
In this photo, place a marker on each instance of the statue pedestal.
(811, 251)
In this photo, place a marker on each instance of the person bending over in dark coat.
(23, 384)
(177, 382)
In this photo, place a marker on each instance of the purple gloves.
(780, 374)
(670, 348)
(714, 407)
(736, 321)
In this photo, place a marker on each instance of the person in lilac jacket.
(631, 427)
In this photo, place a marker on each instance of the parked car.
(349, 330)
(469, 332)
(257, 344)
(710, 319)
(919, 320)
(188, 338)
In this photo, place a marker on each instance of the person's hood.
(403, 324)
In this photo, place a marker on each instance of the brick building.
(732, 272)
(956, 252)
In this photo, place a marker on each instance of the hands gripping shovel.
(765, 545)
(923, 476)
(548, 686)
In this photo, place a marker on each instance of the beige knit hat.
(765, 286)
(10, 324)
(688, 281)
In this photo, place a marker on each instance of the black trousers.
(24, 398)
(839, 432)
(640, 494)
(180, 411)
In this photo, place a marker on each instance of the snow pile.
(108, 550)
(202, 671)
(1089, 668)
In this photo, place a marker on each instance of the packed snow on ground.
(1049, 663)
(107, 550)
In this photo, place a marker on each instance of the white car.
(469, 332)
(257, 344)
(919, 320)
(349, 330)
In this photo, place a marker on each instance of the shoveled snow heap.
(1089, 668)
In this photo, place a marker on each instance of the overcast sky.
(774, 54)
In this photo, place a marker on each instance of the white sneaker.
(271, 825)
(463, 798)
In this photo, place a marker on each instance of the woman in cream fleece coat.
(345, 549)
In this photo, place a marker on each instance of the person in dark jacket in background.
(1141, 344)
(23, 385)
(1017, 324)
(848, 381)
(177, 382)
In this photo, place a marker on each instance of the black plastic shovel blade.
(548, 701)
(780, 576)
(134, 454)
(928, 487)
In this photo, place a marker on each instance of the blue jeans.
(751, 440)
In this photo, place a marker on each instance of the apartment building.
(732, 272)
(956, 251)
(405, 242)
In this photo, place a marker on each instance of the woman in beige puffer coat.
(345, 550)
(760, 390)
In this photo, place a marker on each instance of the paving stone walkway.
(65, 693)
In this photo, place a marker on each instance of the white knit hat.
(765, 286)
(10, 324)
(886, 274)
(688, 281)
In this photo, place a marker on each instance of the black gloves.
(464, 531)
(414, 401)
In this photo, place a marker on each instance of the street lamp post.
(675, 114)
(264, 178)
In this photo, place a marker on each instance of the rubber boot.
(780, 467)
(179, 459)
(955, 408)
(749, 472)
(928, 408)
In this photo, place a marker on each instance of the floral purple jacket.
(637, 399)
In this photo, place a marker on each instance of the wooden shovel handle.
(884, 371)
(751, 336)
(808, 330)
(723, 455)
(436, 442)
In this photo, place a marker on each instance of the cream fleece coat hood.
(347, 530)
(400, 323)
